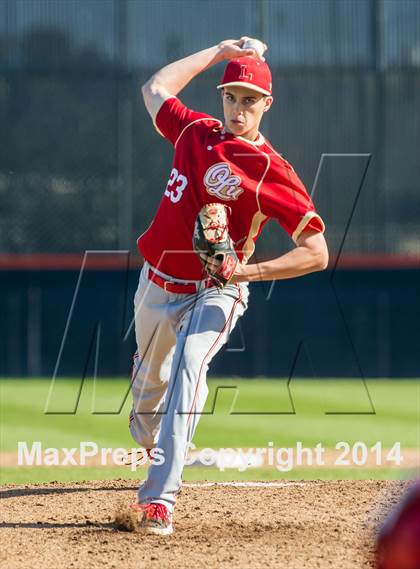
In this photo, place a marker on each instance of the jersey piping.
(193, 122)
(304, 222)
(259, 217)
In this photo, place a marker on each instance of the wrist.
(220, 53)
(214, 56)
(241, 273)
(253, 273)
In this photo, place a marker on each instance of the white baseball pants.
(177, 336)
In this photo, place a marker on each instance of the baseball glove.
(212, 242)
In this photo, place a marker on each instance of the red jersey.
(211, 165)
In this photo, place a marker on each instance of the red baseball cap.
(248, 72)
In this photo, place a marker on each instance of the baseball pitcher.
(226, 182)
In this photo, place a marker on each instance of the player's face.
(243, 110)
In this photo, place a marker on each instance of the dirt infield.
(297, 525)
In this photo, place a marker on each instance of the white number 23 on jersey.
(176, 185)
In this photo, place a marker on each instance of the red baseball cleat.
(156, 519)
(138, 457)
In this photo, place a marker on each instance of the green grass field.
(245, 413)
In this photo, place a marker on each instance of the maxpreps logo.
(220, 182)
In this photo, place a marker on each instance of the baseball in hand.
(256, 45)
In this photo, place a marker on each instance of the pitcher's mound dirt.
(294, 525)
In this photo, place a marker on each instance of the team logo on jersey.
(220, 182)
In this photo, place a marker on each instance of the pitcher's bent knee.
(141, 435)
